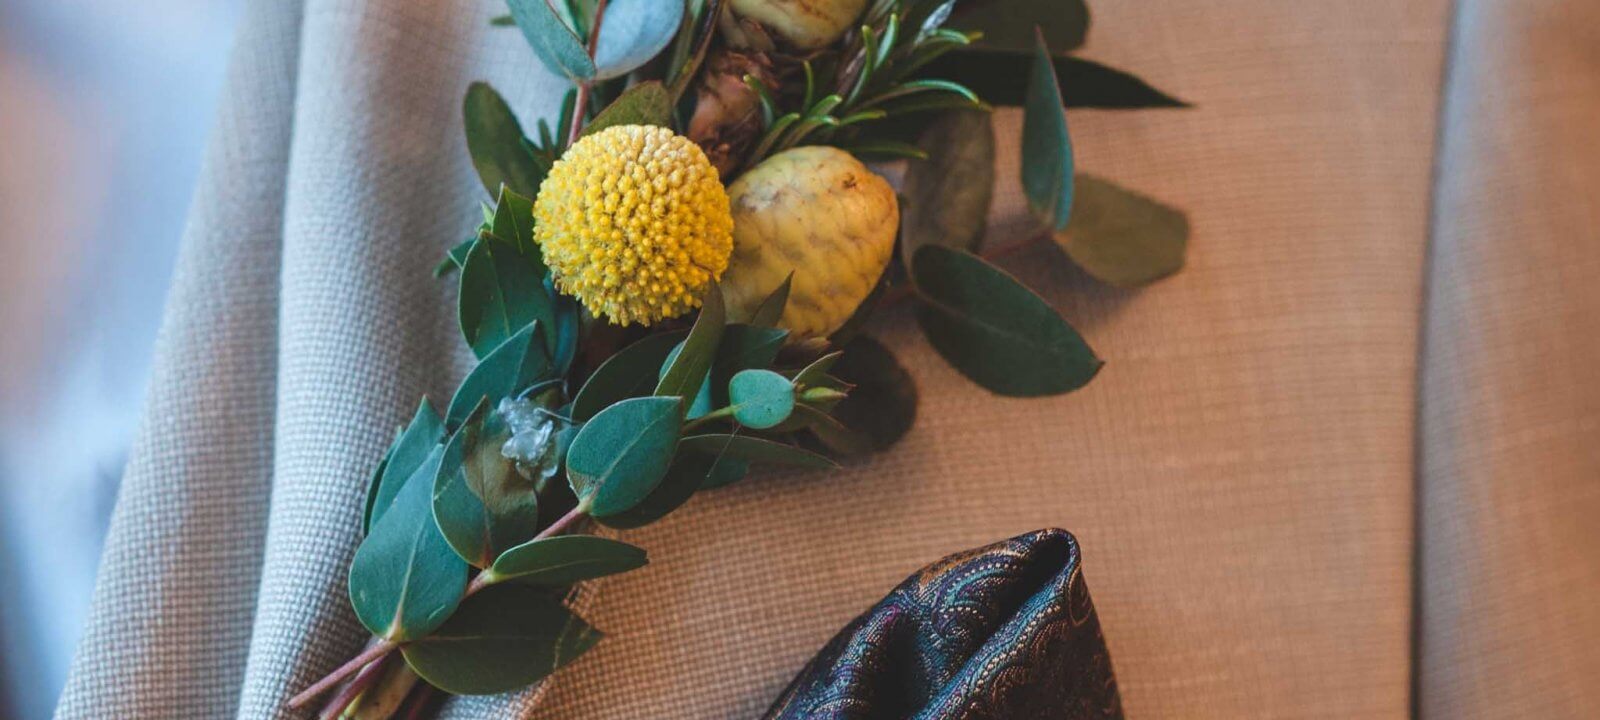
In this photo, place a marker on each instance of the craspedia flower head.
(634, 223)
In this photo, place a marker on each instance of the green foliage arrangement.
(656, 312)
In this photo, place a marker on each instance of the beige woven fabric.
(1510, 464)
(1241, 475)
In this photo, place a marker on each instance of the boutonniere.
(669, 286)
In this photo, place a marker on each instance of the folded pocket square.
(1005, 631)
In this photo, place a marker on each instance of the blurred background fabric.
(1345, 464)
(103, 107)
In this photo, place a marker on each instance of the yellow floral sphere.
(634, 223)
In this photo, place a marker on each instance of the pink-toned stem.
(378, 649)
(353, 689)
(581, 106)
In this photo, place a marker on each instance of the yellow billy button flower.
(634, 223)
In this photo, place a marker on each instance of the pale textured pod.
(798, 24)
(817, 212)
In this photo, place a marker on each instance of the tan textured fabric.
(1241, 475)
(1510, 462)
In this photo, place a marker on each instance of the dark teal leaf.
(501, 292)
(882, 405)
(1046, 148)
(947, 196)
(1001, 78)
(644, 104)
(552, 40)
(632, 33)
(688, 370)
(743, 347)
(568, 326)
(410, 450)
(494, 139)
(564, 560)
(756, 450)
(502, 639)
(1122, 237)
(1010, 24)
(633, 371)
(816, 374)
(374, 484)
(623, 452)
(455, 258)
(508, 369)
(761, 398)
(687, 474)
(513, 223)
(995, 331)
(771, 308)
(482, 504)
(405, 580)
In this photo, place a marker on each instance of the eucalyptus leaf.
(410, 450)
(564, 560)
(482, 504)
(454, 258)
(761, 398)
(882, 405)
(495, 141)
(501, 292)
(832, 433)
(644, 104)
(374, 484)
(687, 474)
(947, 196)
(743, 347)
(405, 580)
(688, 370)
(622, 453)
(994, 330)
(701, 403)
(1010, 24)
(503, 638)
(1001, 78)
(1122, 237)
(756, 450)
(568, 326)
(551, 39)
(633, 32)
(1046, 148)
(512, 222)
(816, 374)
(631, 372)
(512, 366)
(771, 308)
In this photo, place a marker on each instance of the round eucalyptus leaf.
(501, 639)
(565, 559)
(760, 398)
(620, 456)
(632, 32)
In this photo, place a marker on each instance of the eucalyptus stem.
(581, 105)
(352, 690)
(375, 651)
(380, 649)
(717, 414)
